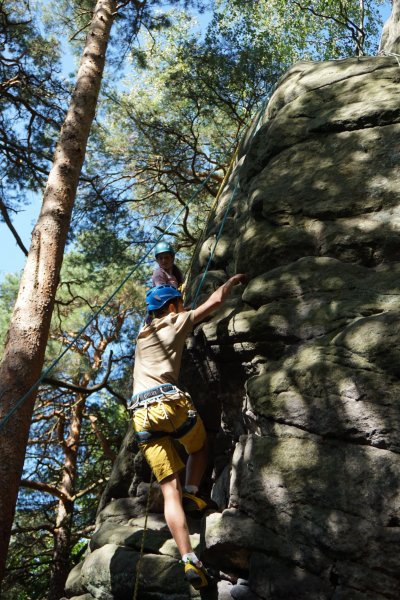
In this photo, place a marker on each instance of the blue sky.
(12, 258)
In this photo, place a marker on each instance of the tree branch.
(88, 489)
(117, 395)
(78, 388)
(107, 450)
(7, 220)
(19, 529)
(47, 488)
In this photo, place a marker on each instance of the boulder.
(74, 586)
(297, 376)
(110, 572)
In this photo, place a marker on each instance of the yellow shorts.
(169, 415)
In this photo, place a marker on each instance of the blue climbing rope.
(219, 234)
(257, 119)
(45, 373)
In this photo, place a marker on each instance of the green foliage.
(186, 99)
(29, 557)
(303, 30)
(8, 294)
(84, 287)
(31, 100)
(181, 105)
(82, 290)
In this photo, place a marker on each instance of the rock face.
(298, 375)
(390, 40)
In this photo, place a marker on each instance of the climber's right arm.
(217, 298)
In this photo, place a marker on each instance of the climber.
(163, 413)
(167, 271)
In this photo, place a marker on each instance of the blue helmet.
(163, 247)
(160, 295)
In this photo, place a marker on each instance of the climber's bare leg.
(196, 465)
(174, 515)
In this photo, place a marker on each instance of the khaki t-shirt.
(159, 348)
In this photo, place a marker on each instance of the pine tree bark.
(29, 328)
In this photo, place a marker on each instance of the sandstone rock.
(109, 574)
(242, 592)
(224, 590)
(74, 586)
(130, 537)
(123, 509)
(297, 377)
(390, 39)
(318, 495)
(272, 577)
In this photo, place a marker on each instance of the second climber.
(167, 271)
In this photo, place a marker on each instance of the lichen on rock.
(297, 376)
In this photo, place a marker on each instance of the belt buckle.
(143, 397)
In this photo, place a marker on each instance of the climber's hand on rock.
(217, 298)
(239, 278)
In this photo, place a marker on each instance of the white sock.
(191, 557)
(192, 489)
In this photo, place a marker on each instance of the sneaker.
(193, 505)
(197, 575)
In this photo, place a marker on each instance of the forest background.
(182, 82)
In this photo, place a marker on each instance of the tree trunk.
(62, 531)
(390, 39)
(29, 328)
(62, 546)
(64, 521)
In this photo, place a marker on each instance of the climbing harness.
(47, 371)
(145, 436)
(199, 577)
(158, 395)
(142, 398)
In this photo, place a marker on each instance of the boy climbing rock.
(163, 413)
(167, 271)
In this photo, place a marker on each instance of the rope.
(194, 304)
(25, 397)
(230, 168)
(215, 204)
(139, 562)
(236, 144)
(257, 119)
(219, 234)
